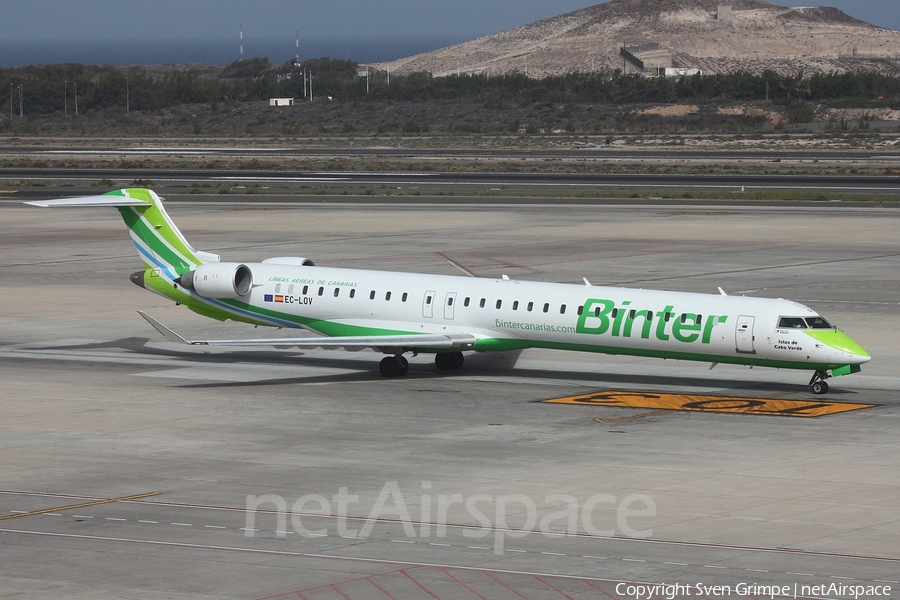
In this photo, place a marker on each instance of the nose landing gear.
(818, 384)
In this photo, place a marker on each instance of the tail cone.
(138, 279)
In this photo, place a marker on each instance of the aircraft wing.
(387, 343)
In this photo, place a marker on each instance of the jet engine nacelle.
(294, 261)
(219, 280)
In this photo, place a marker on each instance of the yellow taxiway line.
(81, 505)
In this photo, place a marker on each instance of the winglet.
(586, 282)
(167, 333)
(722, 292)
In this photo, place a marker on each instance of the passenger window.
(337, 292)
(450, 301)
(684, 317)
(562, 309)
(597, 312)
(580, 310)
(277, 288)
(546, 307)
(666, 317)
(515, 305)
(791, 323)
(387, 296)
(615, 312)
(499, 304)
(530, 306)
(699, 318)
(481, 304)
(305, 289)
(428, 300)
(290, 289)
(321, 290)
(404, 297)
(372, 295)
(466, 301)
(353, 292)
(649, 315)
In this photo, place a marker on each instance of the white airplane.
(398, 313)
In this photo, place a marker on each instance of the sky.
(445, 21)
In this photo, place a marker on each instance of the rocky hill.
(712, 35)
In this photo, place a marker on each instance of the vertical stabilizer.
(157, 239)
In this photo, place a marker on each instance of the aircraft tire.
(819, 388)
(449, 361)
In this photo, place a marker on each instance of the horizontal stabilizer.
(429, 341)
(106, 200)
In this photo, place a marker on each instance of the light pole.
(10, 102)
(65, 97)
(76, 98)
(127, 97)
(21, 104)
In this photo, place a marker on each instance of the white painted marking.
(436, 544)
(115, 519)
(757, 570)
(553, 553)
(714, 567)
(595, 557)
(676, 564)
(53, 514)
(182, 524)
(316, 535)
(634, 560)
(81, 517)
(352, 537)
(885, 581)
(245, 529)
(836, 577)
(478, 547)
(805, 574)
(402, 542)
(214, 527)
(18, 512)
(283, 532)
(519, 551)
(152, 522)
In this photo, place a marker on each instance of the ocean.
(214, 52)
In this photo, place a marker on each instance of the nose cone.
(840, 341)
(138, 279)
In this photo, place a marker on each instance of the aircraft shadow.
(366, 369)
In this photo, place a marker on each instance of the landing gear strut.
(818, 384)
(394, 366)
(449, 361)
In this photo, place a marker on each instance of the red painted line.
(555, 589)
(506, 586)
(378, 587)
(335, 587)
(421, 587)
(599, 589)
(459, 582)
(326, 585)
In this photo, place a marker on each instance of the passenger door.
(743, 335)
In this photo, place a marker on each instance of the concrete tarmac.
(280, 473)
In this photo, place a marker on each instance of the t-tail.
(162, 247)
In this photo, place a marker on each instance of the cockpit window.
(818, 323)
(791, 323)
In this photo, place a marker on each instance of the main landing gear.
(394, 366)
(449, 361)
(398, 366)
(818, 384)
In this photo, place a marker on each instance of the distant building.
(281, 101)
(678, 72)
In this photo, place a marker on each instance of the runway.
(742, 182)
(305, 474)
